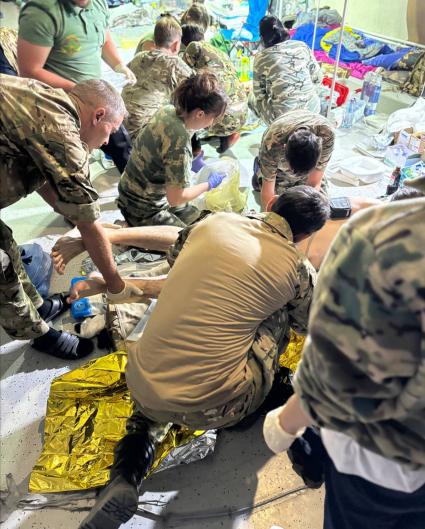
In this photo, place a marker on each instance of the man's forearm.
(50, 78)
(315, 178)
(292, 417)
(109, 51)
(99, 249)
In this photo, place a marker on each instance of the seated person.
(210, 350)
(158, 72)
(285, 74)
(200, 54)
(295, 149)
(8, 51)
(157, 177)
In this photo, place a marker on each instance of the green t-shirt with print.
(75, 35)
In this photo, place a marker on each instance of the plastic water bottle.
(366, 84)
(347, 122)
(374, 90)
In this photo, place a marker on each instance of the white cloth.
(351, 458)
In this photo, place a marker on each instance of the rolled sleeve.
(328, 140)
(64, 161)
(36, 26)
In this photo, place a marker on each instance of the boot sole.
(112, 514)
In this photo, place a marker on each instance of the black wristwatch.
(340, 207)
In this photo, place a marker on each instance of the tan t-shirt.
(232, 273)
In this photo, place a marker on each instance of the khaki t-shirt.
(232, 273)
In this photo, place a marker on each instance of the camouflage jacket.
(157, 73)
(285, 78)
(9, 45)
(273, 164)
(363, 366)
(200, 55)
(161, 156)
(40, 141)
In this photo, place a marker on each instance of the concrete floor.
(240, 473)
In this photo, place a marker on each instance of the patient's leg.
(157, 238)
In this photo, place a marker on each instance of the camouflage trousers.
(233, 120)
(19, 298)
(271, 339)
(179, 216)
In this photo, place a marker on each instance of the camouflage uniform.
(285, 78)
(8, 43)
(273, 164)
(200, 55)
(147, 37)
(158, 73)
(161, 156)
(271, 338)
(39, 142)
(362, 371)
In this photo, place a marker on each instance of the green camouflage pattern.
(158, 73)
(19, 298)
(161, 156)
(271, 338)
(40, 142)
(285, 77)
(273, 164)
(201, 55)
(9, 45)
(363, 366)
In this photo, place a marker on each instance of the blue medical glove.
(215, 179)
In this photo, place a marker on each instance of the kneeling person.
(210, 350)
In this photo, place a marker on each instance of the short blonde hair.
(167, 30)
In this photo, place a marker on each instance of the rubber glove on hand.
(124, 70)
(277, 439)
(129, 294)
(215, 179)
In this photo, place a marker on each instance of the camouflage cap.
(417, 183)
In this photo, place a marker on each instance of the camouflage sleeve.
(36, 26)
(314, 69)
(177, 159)
(192, 55)
(259, 87)
(299, 307)
(328, 139)
(179, 73)
(65, 163)
(270, 153)
(175, 249)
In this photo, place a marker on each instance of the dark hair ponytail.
(203, 91)
(272, 31)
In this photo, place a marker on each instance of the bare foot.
(69, 246)
(87, 287)
(65, 249)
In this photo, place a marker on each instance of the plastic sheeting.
(87, 412)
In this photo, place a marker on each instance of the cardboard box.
(413, 141)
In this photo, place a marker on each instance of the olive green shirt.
(40, 142)
(76, 36)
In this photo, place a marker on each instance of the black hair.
(303, 149)
(196, 14)
(202, 90)
(406, 192)
(192, 33)
(304, 208)
(272, 31)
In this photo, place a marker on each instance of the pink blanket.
(358, 69)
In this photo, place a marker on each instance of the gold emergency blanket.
(292, 355)
(86, 416)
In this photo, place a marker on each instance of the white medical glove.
(124, 70)
(129, 294)
(277, 439)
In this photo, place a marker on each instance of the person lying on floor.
(200, 54)
(160, 238)
(158, 73)
(210, 350)
(155, 186)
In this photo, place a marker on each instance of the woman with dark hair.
(155, 186)
(286, 73)
(200, 54)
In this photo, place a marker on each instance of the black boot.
(118, 501)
